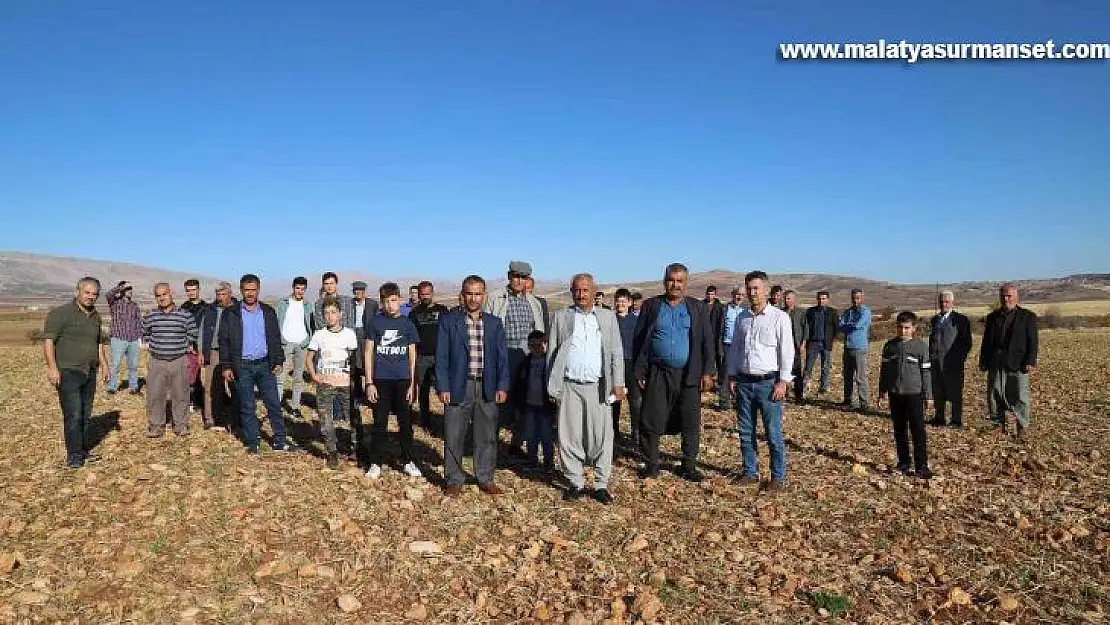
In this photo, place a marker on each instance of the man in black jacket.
(949, 344)
(1009, 356)
(675, 358)
(250, 346)
(822, 324)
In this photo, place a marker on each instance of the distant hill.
(36, 279)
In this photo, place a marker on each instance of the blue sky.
(439, 138)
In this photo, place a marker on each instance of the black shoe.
(333, 460)
(296, 413)
(924, 473)
(906, 470)
(690, 474)
(252, 451)
(135, 392)
(956, 424)
(288, 447)
(649, 473)
(572, 494)
(517, 452)
(937, 422)
(111, 391)
(75, 462)
(603, 496)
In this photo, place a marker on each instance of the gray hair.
(161, 284)
(223, 285)
(946, 294)
(87, 280)
(675, 268)
(1007, 287)
(583, 276)
(788, 292)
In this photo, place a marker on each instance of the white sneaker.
(374, 472)
(411, 470)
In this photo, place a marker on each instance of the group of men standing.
(660, 353)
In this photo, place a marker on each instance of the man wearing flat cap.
(520, 313)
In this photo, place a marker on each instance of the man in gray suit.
(949, 344)
(585, 364)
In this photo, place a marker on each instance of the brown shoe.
(774, 486)
(1022, 434)
(747, 480)
(490, 489)
(453, 490)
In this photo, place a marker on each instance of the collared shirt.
(763, 344)
(127, 322)
(254, 332)
(519, 321)
(76, 334)
(360, 308)
(584, 356)
(169, 333)
(475, 337)
(732, 311)
(671, 340)
(627, 326)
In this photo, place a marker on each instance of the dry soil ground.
(192, 530)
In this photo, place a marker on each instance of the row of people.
(593, 359)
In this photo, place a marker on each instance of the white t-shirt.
(293, 329)
(333, 355)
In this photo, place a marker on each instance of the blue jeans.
(131, 349)
(814, 351)
(538, 429)
(752, 397)
(253, 374)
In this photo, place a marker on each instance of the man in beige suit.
(585, 368)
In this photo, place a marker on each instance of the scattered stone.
(30, 597)
(10, 562)
(937, 569)
(638, 543)
(541, 612)
(958, 596)
(307, 570)
(425, 547)
(273, 568)
(859, 469)
(348, 603)
(1008, 602)
(417, 612)
(414, 494)
(902, 575)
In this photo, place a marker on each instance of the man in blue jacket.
(855, 324)
(472, 378)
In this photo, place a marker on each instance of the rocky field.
(192, 530)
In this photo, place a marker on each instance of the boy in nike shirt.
(332, 374)
(390, 357)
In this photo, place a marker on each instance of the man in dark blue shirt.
(626, 321)
(675, 362)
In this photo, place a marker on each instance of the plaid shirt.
(126, 323)
(475, 334)
(519, 321)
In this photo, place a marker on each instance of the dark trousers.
(724, 395)
(391, 398)
(511, 417)
(796, 371)
(458, 417)
(815, 350)
(425, 375)
(257, 374)
(948, 387)
(75, 392)
(664, 394)
(634, 403)
(908, 414)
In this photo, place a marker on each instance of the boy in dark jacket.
(530, 384)
(905, 375)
